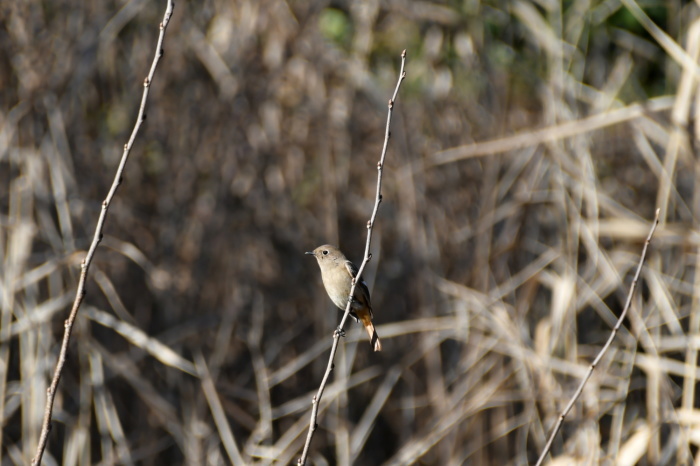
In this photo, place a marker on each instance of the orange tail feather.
(373, 337)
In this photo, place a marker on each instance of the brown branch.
(85, 264)
(358, 278)
(605, 348)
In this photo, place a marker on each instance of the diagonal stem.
(358, 278)
(605, 348)
(97, 238)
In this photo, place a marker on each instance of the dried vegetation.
(532, 143)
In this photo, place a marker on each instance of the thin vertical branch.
(605, 348)
(370, 224)
(85, 264)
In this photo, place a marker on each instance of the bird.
(337, 273)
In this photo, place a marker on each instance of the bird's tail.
(373, 337)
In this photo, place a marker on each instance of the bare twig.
(605, 348)
(85, 264)
(339, 331)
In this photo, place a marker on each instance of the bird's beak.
(310, 252)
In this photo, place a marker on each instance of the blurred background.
(531, 144)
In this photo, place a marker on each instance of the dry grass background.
(531, 144)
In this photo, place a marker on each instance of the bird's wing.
(352, 268)
(362, 286)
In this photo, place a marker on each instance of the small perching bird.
(337, 273)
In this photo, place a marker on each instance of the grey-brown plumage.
(337, 273)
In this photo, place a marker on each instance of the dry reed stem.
(217, 412)
(605, 348)
(263, 429)
(97, 237)
(289, 443)
(381, 395)
(691, 356)
(554, 133)
(666, 42)
(162, 412)
(141, 339)
(370, 224)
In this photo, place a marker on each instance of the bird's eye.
(325, 253)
